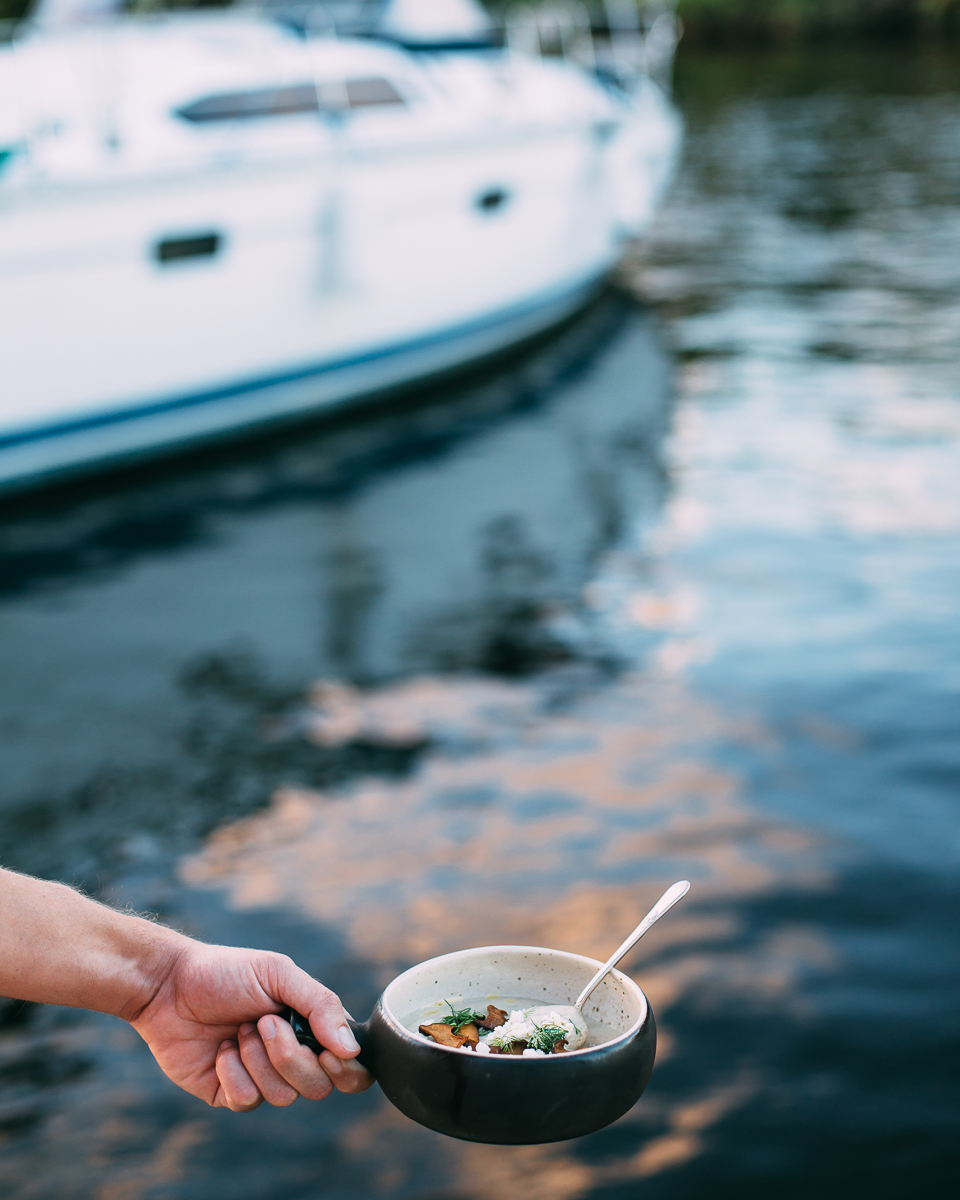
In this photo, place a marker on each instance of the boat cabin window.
(199, 245)
(264, 102)
(294, 98)
(362, 93)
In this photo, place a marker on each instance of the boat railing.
(620, 40)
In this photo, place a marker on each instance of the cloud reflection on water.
(558, 829)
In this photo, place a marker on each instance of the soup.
(515, 1006)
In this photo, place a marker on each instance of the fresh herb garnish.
(547, 1037)
(460, 1017)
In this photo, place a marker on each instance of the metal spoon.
(666, 901)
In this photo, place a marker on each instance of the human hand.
(211, 1027)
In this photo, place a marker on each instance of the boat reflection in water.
(212, 222)
(454, 535)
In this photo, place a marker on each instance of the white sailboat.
(209, 222)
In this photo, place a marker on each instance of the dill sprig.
(546, 1037)
(460, 1017)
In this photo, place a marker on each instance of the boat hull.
(33, 457)
(186, 278)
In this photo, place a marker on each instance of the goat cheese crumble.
(528, 1025)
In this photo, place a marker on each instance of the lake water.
(673, 594)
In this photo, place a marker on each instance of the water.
(671, 596)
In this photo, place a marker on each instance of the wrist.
(58, 947)
(143, 959)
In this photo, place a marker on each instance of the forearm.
(206, 1012)
(58, 947)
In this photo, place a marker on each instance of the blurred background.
(668, 590)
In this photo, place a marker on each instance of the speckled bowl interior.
(504, 972)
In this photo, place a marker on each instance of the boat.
(215, 222)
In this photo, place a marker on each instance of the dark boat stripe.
(44, 432)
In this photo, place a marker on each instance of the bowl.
(507, 1099)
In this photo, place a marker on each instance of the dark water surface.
(673, 594)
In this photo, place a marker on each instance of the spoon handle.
(666, 901)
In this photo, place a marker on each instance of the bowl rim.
(397, 1025)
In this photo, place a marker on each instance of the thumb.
(321, 1007)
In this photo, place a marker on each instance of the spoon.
(574, 1012)
(666, 902)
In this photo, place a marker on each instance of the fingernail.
(331, 1064)
(268, 1028)
(246, 1029)
(347, 1040)
(226, 1045)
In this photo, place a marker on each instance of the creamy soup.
(597, 1033)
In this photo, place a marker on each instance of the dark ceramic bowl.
(504, 1099)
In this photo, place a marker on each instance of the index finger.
(320, 1007)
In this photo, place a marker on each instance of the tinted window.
(200, 245)
(364, 92)
(281, 101)
(265, 102)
